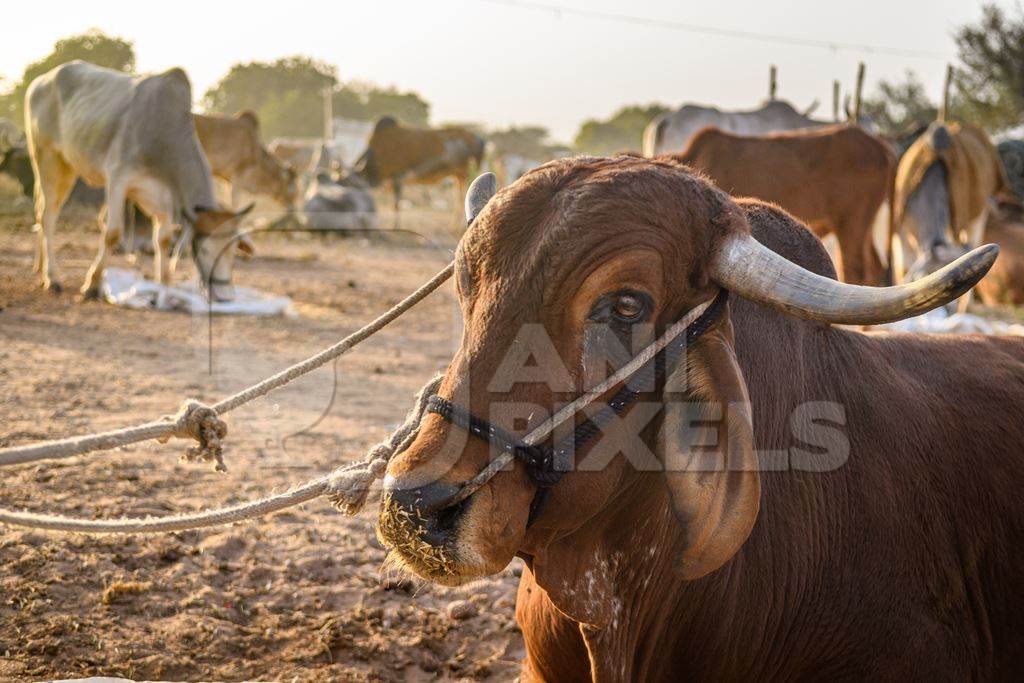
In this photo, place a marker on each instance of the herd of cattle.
(945, 185)
(813, 502)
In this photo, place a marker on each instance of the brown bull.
(400, 155)
(794, 501)
(834, 179)
(236, 153)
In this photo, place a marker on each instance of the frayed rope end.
(195, 420)
(348, 488)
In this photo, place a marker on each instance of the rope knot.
(198, 421)
(348, 487)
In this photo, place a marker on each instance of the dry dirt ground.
(297, 596)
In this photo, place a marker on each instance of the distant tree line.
(988, 86)
(288, 96)
(287, 93)
(92, 46)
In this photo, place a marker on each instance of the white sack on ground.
(940, 321)
(130, 289)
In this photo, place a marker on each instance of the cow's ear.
(707, 448)
(250, 117)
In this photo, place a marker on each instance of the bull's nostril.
(424, 500)
(429, 507)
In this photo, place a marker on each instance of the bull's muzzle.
(424, 511)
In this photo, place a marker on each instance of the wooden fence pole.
(857, 93)
(944, 108)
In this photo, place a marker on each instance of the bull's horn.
(748, 268)
(479, 193)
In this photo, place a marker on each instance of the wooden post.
(857, 93)
(328, 114)
(944, 108)
(773, 84)
(835, 101)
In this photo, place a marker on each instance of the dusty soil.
(297, 596)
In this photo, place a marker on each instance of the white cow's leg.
(54, 180)
(111, 228)
(37, 266)
(163, 231)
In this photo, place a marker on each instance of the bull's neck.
(618, 574)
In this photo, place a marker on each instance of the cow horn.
(748, 268)
(479, 193)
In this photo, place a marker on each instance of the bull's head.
(215, 240)
(561, 278)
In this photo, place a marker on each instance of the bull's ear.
(250, 117)
(706, 444)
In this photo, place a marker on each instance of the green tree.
(990, 80)
(622, 131)
(287, 94)
(368, 102)
(529, 141)
(900, 106)
(92, 46)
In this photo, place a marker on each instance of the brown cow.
(848, 506)
(236, 153)
(834, 179)
(400, 155)
(1005, 282)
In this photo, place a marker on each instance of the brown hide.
(1004, 284)
(834, 179)
(236, 154)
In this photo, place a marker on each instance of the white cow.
(671, 132)
(135, 137)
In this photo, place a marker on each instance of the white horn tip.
(479, 193)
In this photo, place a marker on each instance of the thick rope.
(346, 487)
(197, 421)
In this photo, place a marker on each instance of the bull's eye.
(628, 308)
(625, 307)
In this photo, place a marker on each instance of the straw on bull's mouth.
(398, 530)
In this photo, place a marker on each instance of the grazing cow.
(792, 500)
(833, 178)
(136, 138)
(673, 131)
(235, 150)
(943, 185)
(399, 155)
(16, 163)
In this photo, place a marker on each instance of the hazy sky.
(479, 61)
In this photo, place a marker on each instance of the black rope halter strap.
(546, 465)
